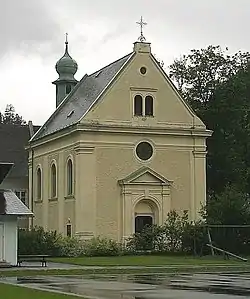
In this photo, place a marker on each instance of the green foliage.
(199, 73)
(217, 86)
(176, 235)
(71, 247)
(231, 207)
(38, 241)
(102, 247)
(11, 117)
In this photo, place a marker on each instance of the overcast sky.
(32, 36)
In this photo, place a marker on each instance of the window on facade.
(69, 230)
(149, 106)
(144, 151)
(21, 195)
(138, 105)
(69, 177)
(53, 180)
(39, 183)
(68, 88)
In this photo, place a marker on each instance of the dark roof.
(4, 170)
(82, 97)
(13, 140)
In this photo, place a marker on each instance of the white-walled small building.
(11, 207)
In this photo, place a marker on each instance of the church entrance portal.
(141, 222)
(146, 213)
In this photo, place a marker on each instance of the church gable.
(142, 79)
(145, 175)
(132, 90)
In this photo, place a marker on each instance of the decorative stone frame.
(143, 184)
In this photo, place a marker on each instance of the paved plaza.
(151, 286)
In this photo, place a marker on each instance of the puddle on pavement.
(151, 286)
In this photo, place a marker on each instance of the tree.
(231, 207)
(216, 86)
(199, 73)
(11, 117)
(228, 115)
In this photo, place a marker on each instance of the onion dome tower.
(66, 68)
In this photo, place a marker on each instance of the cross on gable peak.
(141, 23)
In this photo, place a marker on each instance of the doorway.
(141, 222)
(1, 242)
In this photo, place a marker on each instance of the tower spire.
(66, 43)
(66, 68)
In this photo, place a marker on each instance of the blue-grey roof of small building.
(10, 204)
(81, 98)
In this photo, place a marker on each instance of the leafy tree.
(198, 74)
(231, 207)
(11, 117)
(227, 114)
(217, 86)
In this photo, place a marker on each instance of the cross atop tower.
(66, 38)
(141, 23)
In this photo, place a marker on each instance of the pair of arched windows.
(143, 110)
(53, 180)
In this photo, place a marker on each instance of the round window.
(144, 151)
(143, 70)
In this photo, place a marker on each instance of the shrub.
(102, 247)
(176, 235)
(71, 247)
(38, 241)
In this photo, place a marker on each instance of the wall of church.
(115, 159)
(53, 213)
(99, 161)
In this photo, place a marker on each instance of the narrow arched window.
(68, 88)
(138, 105)
(149, 106)
(39, 183)
(53, 180)
(69, 177)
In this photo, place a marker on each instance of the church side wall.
(58, 212)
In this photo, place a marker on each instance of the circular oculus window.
(144, 151)
(143, 70)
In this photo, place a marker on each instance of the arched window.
(69, 177)
(149, 106)
(68, 88)
(39, 183)
(138, 105)
(53, 180)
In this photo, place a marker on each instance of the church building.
(121, 150)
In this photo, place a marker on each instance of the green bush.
(38, 241)
(176, 235)
(71, 247)
(102, 247)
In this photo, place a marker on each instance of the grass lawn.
(147, 260)
(11, 292)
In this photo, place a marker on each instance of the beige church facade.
(120, 151)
